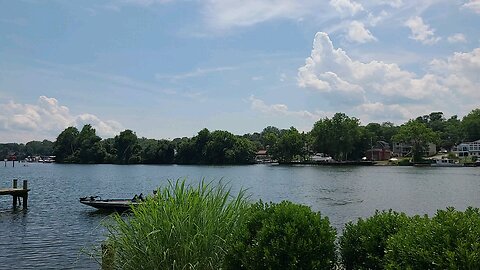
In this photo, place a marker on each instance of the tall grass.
(183, 227)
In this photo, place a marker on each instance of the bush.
(183, 227)
(404, 162)
(450, 240)
(282, 236)
(362, 245)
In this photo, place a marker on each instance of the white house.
(466, 149)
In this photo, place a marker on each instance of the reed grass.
(182, 227)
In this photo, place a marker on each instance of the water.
(57, 232)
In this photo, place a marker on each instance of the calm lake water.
(57, 231)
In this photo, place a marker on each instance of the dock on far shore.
(17, 193)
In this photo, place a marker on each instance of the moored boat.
(118, 205)
(446, 162)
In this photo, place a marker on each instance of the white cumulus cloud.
(421, 31)
(382, 89)
(45, 120)
(358, 33)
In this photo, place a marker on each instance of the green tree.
(337, 136)
(269, 136)
(110, 152)
(127, 148)
(388, 131)
(43, 148)
(66, 145)
(289, 145)
(216, 148)
(156, 151)
(452, 134)
(242, 152)
(471, 125)
(90, 148)
(418, 135)
(186, 151)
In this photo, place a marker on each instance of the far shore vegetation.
(341, 137)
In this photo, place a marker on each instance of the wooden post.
(14, 196)
(108, 257)
(25, 196)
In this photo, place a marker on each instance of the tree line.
(341, 137)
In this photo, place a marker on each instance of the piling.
(17, 193)
(14, 195)
(25, 194)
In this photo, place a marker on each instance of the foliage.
(127, 147)
(242, 152)
(418, 135)
(337, 136)
(156, 151)
(449, 240)
(217, 147)
(183, 227)
(282, 236)
(43, 148)
(471, 125)
(452, 135)
(66, 146)
(404, 162)
(90, 150)
(362, 245)
(289, 145)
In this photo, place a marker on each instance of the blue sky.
(168, 68)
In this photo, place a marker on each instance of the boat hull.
(118, 205)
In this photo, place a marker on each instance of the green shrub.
(404, 162)
(450, 240)
(183, 227)
(282, 236)
(362, 245)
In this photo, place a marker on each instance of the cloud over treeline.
(45, 120)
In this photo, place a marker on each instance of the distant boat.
(118, 205)
(446, 162)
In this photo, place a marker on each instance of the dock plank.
(13, 191)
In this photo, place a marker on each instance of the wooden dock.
(17, 193)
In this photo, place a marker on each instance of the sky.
(169, 68)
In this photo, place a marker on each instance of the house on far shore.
(380, 151)
(262, 156)
(466, 149)
(405, 150)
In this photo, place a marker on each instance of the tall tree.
(90, 149)
(289, 145)
(337, 136)
(452, 134)
(215, 150)
(127, 147)
(418, 135)
(66, 145)
(242, 152)
(43, 148)
(471, 125)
